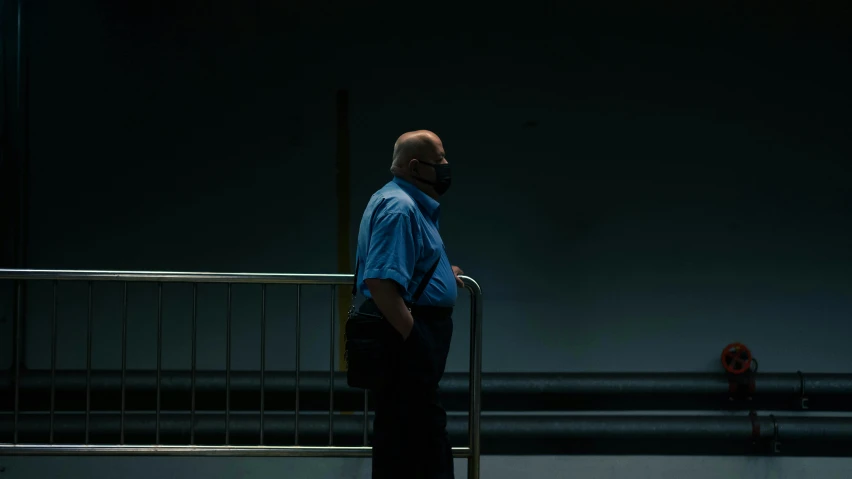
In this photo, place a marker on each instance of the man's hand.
(457, 271)
(385, 293)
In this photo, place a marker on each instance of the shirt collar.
(429, 206)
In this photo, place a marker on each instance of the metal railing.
(470, 452)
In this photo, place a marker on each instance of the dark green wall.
(635, 188)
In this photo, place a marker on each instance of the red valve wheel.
(736, 358)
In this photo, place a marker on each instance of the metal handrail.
(471, 452)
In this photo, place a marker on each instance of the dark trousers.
(410, 429)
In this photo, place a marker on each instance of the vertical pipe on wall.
(14, 153)
(22, 111)
(8, 233)
(343, 193)
(22, 103)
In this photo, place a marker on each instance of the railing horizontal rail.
(171, 276)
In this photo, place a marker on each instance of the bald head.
(419, 157)
(416, 145)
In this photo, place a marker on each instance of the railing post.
(16, 354)
(475, 376)
(89, 326)
(228, 371)
(194, 361)
(298, 362)
(262, 359)
(159, 357)
(53, 340)
(124, 361)
(331, 369)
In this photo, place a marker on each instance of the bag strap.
(425, 281)
(420, 288)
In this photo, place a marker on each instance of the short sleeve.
(392, 250)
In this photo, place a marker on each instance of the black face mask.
(443, 177)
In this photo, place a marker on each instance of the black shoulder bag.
(370, 340)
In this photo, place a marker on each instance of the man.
(398, 244)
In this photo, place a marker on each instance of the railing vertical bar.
(159, 356)
(16, 354)
(193, 360)
(366, 417)
(298, 358)
(262, 358)
(473, 464)
(53, 341)
(228, 372)
(123, 362)
(89, 364)
(331, 367)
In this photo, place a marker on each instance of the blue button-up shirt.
(399, 240)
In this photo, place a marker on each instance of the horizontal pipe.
(812, 436)
(501, 391)
(170, 276)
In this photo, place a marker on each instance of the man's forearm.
(391, 304)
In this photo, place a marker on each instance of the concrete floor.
(493, 467)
